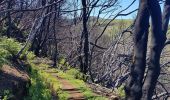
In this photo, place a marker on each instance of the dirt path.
(74, 93)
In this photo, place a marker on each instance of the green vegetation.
(120, 91)
(117, 26)
(4, 56)
(10, 45)
(8, 48)
(75, 73)
(7, 94)
(38, 89)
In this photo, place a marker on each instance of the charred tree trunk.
(8, 22)
(80, 58)
(56, 18)
(86, 36)
(134, 87)
(158, 37)
(157, 43)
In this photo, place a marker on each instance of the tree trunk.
(157, 44)
(56, 18)
(9, 23)
(86, 36)
(133, 88)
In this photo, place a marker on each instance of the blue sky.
(124, 4)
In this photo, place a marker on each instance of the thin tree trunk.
(9, 23)
(56, 17)
(86, 37)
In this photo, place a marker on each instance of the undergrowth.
(38, 89)
(8, 48)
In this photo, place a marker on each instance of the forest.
(84, 50)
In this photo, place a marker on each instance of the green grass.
(63, 95)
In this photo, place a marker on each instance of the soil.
(13, 79)
(74, 93)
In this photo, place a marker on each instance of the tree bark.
(9, 20)
(56, 19)
(133, 88)
(157, 43)
(86, 37)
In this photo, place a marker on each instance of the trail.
(74, 93)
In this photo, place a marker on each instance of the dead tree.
(9, 20)
(139, 87)
(85, 38)
(134, 87)
(56, 18)
(158, 39)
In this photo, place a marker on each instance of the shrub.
(38, 89)
(4, 55)
(76, 73)
(62, 60)
(8, 48)
(30, 55)
(63, 64)
(120, 91)
(10, 45)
